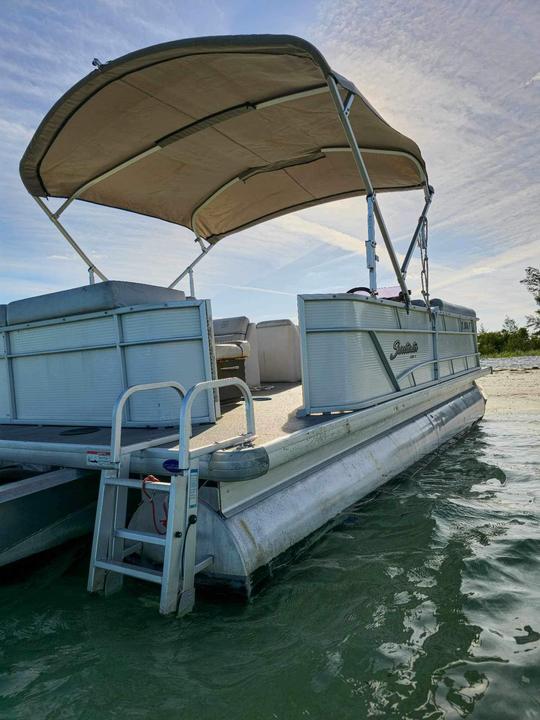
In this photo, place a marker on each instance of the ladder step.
(140, 536)
(131, 570)
(137, 484)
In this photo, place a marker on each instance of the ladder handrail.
(118, 410)
(107, 563)
(184, 430)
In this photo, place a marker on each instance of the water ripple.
(422, 603)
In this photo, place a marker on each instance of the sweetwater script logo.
(407, 349)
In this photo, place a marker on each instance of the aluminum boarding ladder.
(177, 577)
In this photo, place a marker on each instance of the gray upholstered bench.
(73, 352)
(235, 341)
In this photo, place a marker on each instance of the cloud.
(535, 78)
(251, 288)
(441, 78)
(461, 80)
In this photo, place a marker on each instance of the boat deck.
(275, 407)
(275, 416)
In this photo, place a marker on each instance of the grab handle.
(118, 410)
(184, 429)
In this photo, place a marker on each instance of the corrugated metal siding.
(445, 369)
(348, 313)
(181, 361)
(77, 385)
(73, 334)
(67, 381)
(455, 345)
(5, 413)
(400, 363)
(422, 375)
(415, 319)
(341, 368)
(159, 324)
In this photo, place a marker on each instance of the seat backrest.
(279, 351)
(451, 308)
(230, 329)
(89, 298)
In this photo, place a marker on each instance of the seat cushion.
(275, 323)
(279, 351)
(230, 329)
(451, 308)
(89, 298)
(228, 351)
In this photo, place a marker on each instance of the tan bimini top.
(215, 134)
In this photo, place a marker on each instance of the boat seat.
(279, 351)
(447, 307)
(88, 299)
(231, 329)
(236, 338)
(3, 315)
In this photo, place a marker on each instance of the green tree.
(511, 339)
(532, 283)
(509, 325)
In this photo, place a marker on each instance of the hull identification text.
(407, 349)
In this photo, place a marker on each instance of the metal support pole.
(191, 283)
(358, 159)
(344, 117)
(434, 327)
(68, 237)
(371, 247)
(91, 276)
(412, 245)
(190, 267)
(390, 250)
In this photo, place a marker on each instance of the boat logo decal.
(407, 349)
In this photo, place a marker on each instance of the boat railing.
(118, 412)
(436, 361)
(184, 453)
(187, 400)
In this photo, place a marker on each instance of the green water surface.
(424, 602)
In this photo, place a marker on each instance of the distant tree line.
(511, 339)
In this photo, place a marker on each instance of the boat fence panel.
(70, 370)
(357, 349)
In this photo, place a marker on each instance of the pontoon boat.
(119, 389)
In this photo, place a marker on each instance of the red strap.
(163, 522)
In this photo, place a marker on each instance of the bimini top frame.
(219, 134)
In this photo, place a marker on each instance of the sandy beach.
(512, 392)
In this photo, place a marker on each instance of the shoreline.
(508, 356)
(512, 391)
(516, 362)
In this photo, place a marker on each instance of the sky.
(462, 78)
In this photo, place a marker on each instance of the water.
(519, 362)
(423, 603)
